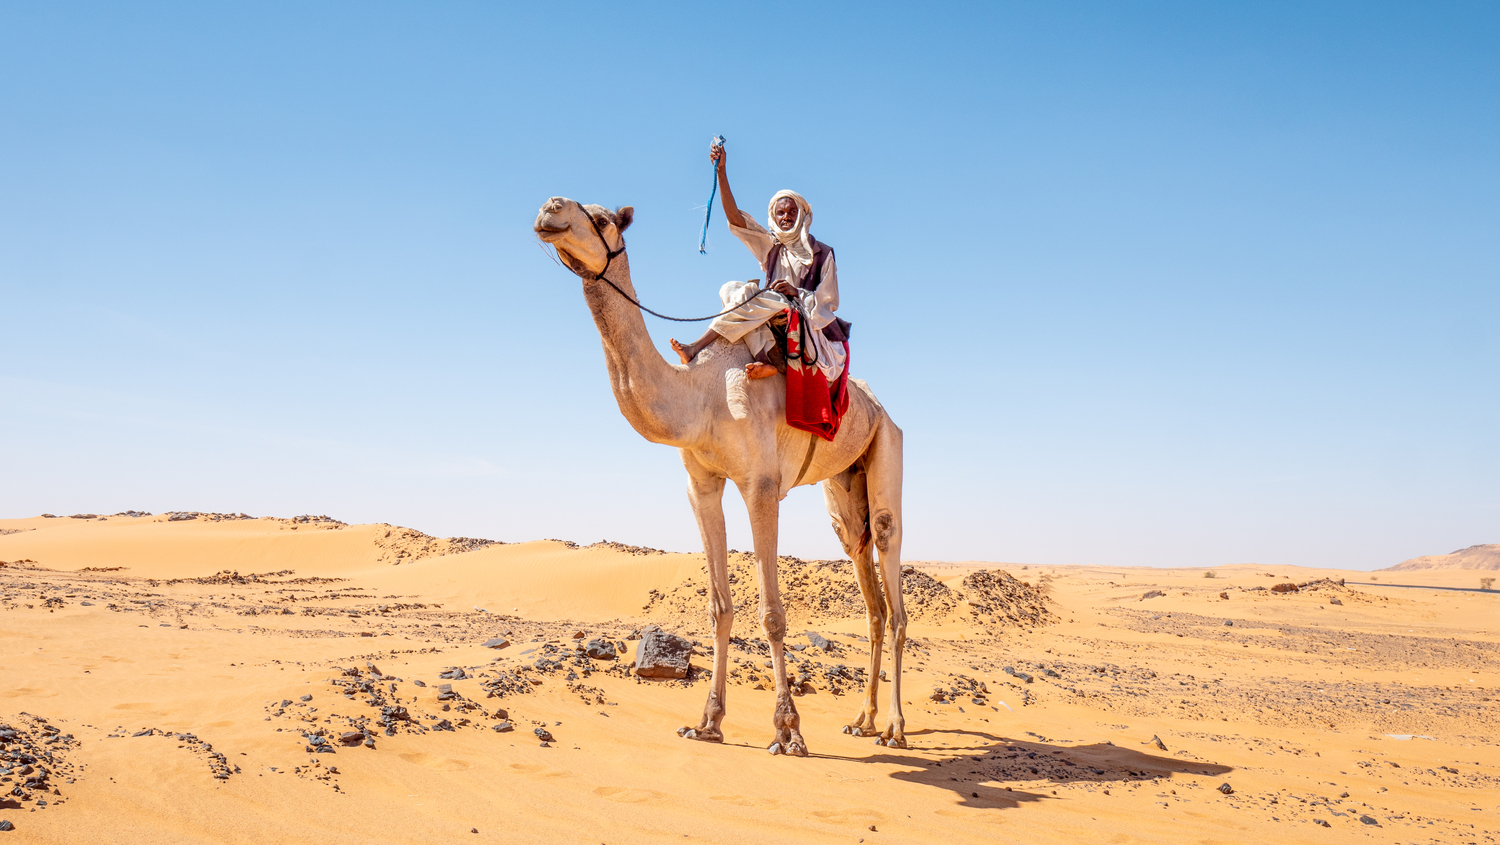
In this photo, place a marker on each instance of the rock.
(419, 683)
(1228, 623)
(307, 698)
(147, 732)
(352, 737)
(601, 650)
(1156, 741)
(1224, 596)
(1287, 587)
(543, 735)
(661, 655)
(504, 727)
(496, 642)
(1153, 594)
(1335, 600)
(1226, 789)
(1368, 820)
(578, 635)
(5, 825)
(1323, 822)
(818, 640)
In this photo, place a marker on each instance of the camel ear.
(623, 217)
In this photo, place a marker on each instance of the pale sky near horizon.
(1172, 284)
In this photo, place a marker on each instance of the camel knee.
(721, 612)
(774, 623)
(885, 529)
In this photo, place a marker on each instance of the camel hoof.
(796, 749)
(846, 729)
(686, 732)
(893, 742)
(775, 749)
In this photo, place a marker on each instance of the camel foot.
(892, 738)
(707, 734)
(863, 725)
(756, 369)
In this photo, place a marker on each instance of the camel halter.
(610, 255)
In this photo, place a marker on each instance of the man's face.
(785, 213)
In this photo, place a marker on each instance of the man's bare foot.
(682, 351)
(756, 369)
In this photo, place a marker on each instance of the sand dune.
(1474, 557)
(156, 672)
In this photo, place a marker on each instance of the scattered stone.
(543, 735)
(1224, 596)
(504, 727)
(1153, 594)
(1287, 587)
(1156, 741)
(578, 635)
(1323, 822)
(1228, 623)
(661, 655)
(1226, 789)
(1335, 600)
(1368, 820)
(6, 825)
(601, 649)
(496, 642)
(307, 698)
(818, 640)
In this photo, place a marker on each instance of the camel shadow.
(975, 760)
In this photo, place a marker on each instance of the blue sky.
(1163, 284)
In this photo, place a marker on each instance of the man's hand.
(785, 288)
(719, 156)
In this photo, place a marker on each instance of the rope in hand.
(708, 212)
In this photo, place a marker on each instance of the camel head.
(584, 235)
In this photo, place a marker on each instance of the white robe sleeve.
(755, 237)
(821, 303)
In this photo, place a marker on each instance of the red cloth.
(812, 403)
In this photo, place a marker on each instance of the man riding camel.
(799, 270)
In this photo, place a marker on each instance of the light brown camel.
(728, 427)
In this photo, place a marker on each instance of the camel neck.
(638, 375)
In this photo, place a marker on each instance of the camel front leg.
(706, 493)
(762, 500)
(883, 470)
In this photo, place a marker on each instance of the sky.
(1166, 284)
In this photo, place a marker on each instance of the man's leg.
(688, 353)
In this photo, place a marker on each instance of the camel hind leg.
(883, 466)
(706, 493)
(850, 510)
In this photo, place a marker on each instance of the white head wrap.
(797, 246)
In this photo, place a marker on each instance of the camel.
(727, 427)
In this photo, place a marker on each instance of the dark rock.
(5, 825)
(352, 737)
(1224, 596)
(1368, 820)
(504, 727)
(1226, 789)
(1153, 594)
(307, 698)
(1335, 600)
(601, 649)
(661, 655)
(497, 642)
(1156, 741)
(543, 735)
(818, 640)
(419, 683)
(1228, 623)
(147, 732)
(1288, 587)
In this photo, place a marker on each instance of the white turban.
(796, 242)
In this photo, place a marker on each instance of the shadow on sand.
(975, 758)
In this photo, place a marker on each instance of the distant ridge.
(1474, 557)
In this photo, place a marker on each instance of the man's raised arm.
(732, 212)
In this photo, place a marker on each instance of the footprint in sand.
(629, 796)
(440, 764)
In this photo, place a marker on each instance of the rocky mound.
(814, 592)
(1474, 557)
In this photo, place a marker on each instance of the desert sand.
(172, 678)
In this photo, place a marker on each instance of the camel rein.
(609, 257)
